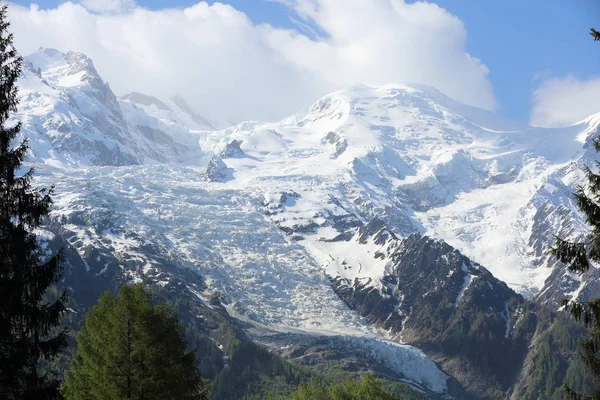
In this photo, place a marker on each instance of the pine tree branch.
(587, 206)
(587, 312)
(593, 180)
(573, 254)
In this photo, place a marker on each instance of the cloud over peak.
(565, 101)
(230, 68)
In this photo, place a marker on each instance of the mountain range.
(391, 222)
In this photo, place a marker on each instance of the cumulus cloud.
(108, 5)
(564, 101)
(387, 41)
(230, 68)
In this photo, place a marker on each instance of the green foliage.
(336, 374)
(553, 360)
(253, 372)
(30, 316)
(131, 348)
(402, 390)
(577, 378)
(366, 388)
(197, 322)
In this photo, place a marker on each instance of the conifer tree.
(366, 388)
(29, 320)
(131, 348)
(578, 257)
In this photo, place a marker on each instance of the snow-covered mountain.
(270, 213)
(73, 118)
(408, 156)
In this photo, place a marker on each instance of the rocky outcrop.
(232, 150)
(456, 311)
(216, 170)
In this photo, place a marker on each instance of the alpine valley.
(387, 229)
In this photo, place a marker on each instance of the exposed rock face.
(339, 143)
(435, 298)
(217, 170)
(232, 149)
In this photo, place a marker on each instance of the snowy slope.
(73, 118)
(145, 188)
(141, 220)
(405, 154)
(395, 153)
(174, 115)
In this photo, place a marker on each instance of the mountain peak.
(50, 52)
(356, 99)
(45, 58)
(64, 69)
(80, 62)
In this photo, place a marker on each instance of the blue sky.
(522, 42)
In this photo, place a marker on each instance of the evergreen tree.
(366, 388)
(131, 348)
(29, 320)
(578, 256)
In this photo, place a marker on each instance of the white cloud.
(102, 6)
(230, 68)
(387, 41)
(565, 101)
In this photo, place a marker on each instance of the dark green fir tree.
(29, 320)
(366, 388)
(133, 349)
(578, 256)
